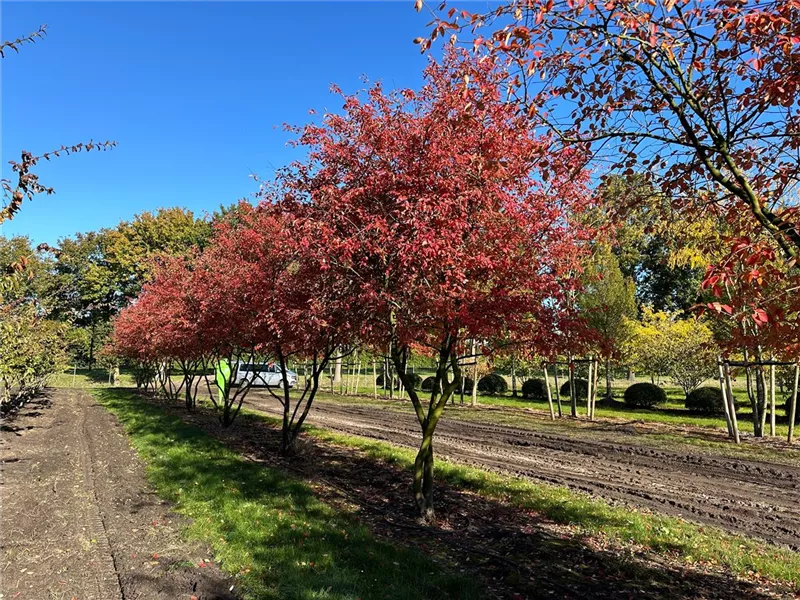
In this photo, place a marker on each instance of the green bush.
(644, 395)
(492, 384)
(427, 384)
(534, 389)
(796, 412)
(413, 376)
(706, 400)
(581, 389)
(416, 380)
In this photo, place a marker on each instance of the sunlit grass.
(268, 528)
(88, 378)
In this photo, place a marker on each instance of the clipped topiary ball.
(416, 380)
(796, 411)
(413, 376)
(644, 395)
(379, 381)
(534, 389)
(492, 384)
(581, 389)
(427, 384)
(706, 400)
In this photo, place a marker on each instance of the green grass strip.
(268, 528)
(670, 535)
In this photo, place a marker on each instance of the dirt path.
(78, 518)
(755, 498)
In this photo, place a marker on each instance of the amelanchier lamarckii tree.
(265, 295)
(701, 94)
(446, 219)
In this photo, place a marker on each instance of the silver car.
(263, 374)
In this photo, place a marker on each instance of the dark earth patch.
(79, 519)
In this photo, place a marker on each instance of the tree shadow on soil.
(298, 546)
(203, 586)
(516, 553)
(32, 408)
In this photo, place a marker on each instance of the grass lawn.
(623, 526)
(268, 528)
(672, 412)
(88, 378)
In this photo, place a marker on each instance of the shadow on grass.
(511, 550)
(269, 527)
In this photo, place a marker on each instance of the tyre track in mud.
(754, 498)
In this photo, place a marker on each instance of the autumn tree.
(96, 274)
(170, 306)
(755, 297)
(703, 95)
(663, 253)
(266, 295)
(666, 345)
(129, 248)
(608, 300)
(447, 219)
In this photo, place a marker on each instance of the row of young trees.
(421, 220)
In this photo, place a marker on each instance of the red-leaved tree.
(265, 295)
(162, 328)
(443, 217)
(700, 94)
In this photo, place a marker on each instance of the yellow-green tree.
(664, 345)
(608, 303)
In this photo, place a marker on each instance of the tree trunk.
(475, 374)
(91, 347)
(558, 388)
(374, 380)
(428, 417)
(188, 393)
(573, 396)
(358, 374)
(772, 400)
(549, 395)
(609, 395)
(513, 379)
(423, 477)
(337, 370)
(793, 405)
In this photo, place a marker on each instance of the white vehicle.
(263, 374)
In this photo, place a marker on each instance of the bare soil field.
(756, 498)
(79, 519)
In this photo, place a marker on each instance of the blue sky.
(194, 93)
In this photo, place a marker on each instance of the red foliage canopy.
(441, 211)
(702, 94)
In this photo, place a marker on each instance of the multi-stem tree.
(293, 307)
(446, 219)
